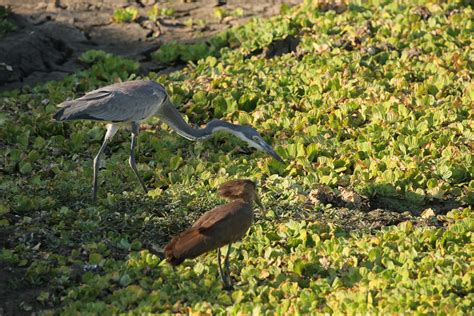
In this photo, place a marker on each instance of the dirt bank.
(51, 35)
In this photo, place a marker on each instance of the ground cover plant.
(5, 25)
(124, 15)
(372, 213)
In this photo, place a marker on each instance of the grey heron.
(129, 103)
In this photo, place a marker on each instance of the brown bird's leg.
(131, 160)
(219, 265)
(227, 268)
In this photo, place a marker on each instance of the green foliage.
(156, 11)
(125, 15)
(385, 108)
(173, 51)
(220, 13)
(5, 25)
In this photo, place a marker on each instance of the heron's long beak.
(269, 150)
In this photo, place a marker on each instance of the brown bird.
(218, 227)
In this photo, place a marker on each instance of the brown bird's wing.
(216, 215)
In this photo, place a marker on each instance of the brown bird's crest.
(235, 189)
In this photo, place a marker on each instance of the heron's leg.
(226, 264)
(111, 130)
(131, 161)
(219, 265)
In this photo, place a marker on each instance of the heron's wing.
(128, 101)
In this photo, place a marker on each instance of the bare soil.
(52, 34)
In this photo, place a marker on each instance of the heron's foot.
(227, 285)
(94, 195)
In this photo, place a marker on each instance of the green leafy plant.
(371, 212)
(125, 15)
(5, 25)
(174, 51)
(156, 11)
(220, 13)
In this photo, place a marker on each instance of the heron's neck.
(216, 125)
(212, 127)
(170, 115)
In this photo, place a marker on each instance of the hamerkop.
(220, 226)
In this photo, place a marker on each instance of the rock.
(65, 17)
(41, 6)
(6, 67)
(339, 6)
(27, 3)
(423, 12)
(51, 7)
(52, 34)
(151, 26)
(30, 53)
(41, 18)
(147, 2)
(321, 195)
(429, 212)
(117, 33)
(350, 197)
(117, 3)
(413, 52)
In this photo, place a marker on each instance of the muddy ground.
(52, 34)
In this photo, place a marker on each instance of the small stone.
(423, 12)
(41, 6)
(372, 50)
(321, 195)
(428, 213)
(325, 263)
(350, 196)
(148, 2)
(413, 52)
(264, 274)
(65, 17)
(7, 67)
(51, 7)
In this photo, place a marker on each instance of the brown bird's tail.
(186, 245)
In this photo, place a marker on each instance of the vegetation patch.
(5, 25)
(125, 15)
(360, 111)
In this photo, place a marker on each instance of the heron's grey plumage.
(134, 101)
(131, 101)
